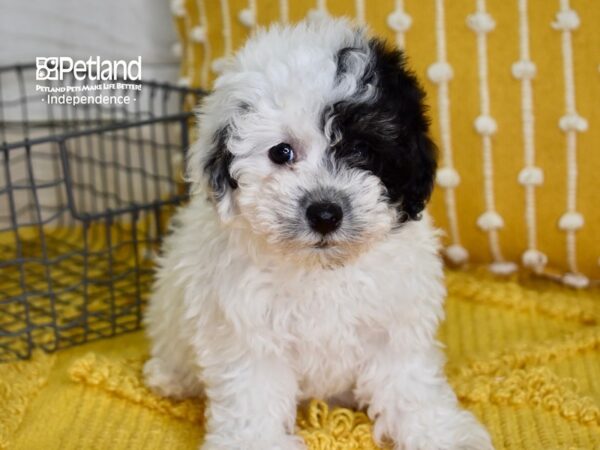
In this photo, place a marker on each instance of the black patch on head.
(388, 135)
(217, 164)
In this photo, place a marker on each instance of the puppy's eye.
(281, 153)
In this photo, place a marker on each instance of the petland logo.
(54, 68)
(83, 77)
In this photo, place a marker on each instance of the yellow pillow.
(514, 89)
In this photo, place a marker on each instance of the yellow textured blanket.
(524, 358)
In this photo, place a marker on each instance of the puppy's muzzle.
(324, 217)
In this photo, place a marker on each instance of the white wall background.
(111, 29)
(116, 29)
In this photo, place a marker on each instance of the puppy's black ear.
(423, 162)
(216, 169)
(402, 96)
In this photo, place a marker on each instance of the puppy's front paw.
(228, 442)
(436, 429)
(167, 381)
(464, 432)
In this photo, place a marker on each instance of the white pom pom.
(246, 17)
(531, 176)
(399, 21)
(198, 34)
(440, 71)
(502, 268)
(316, 15)
(576, 280)
(573, 122)
(177, 49)
(534, 259)
(570, 221)
(184, 82)
(485, 125)
(218, 65)
(490, 220)
(481, 22)
(447, 177)
(178, 8)
(566, 20)
(524, 70)
(457, 254)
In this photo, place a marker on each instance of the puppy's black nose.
(324, 217)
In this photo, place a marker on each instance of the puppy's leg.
(411, 403)
(251, 406)
(172, 376)
(171, 370)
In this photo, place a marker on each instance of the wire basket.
(85, 195)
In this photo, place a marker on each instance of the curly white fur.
(247, 309)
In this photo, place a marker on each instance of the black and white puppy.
(311, 270)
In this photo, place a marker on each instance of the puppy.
(303, 265)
